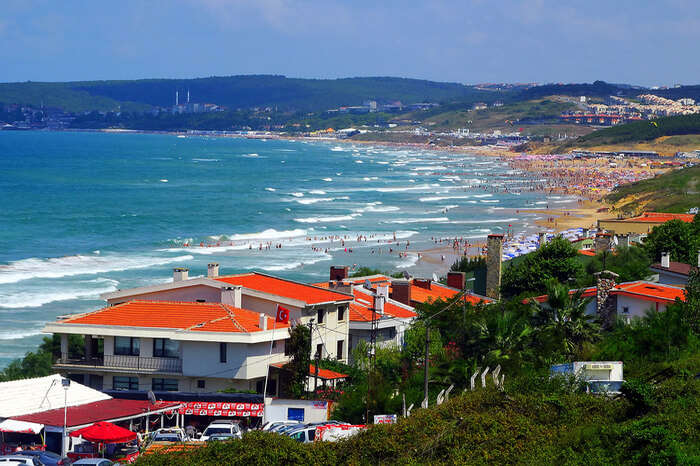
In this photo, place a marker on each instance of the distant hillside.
(640, 131)
(234, 92)
(675, 191)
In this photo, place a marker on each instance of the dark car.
(47, 458)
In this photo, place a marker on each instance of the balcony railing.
(136, 363)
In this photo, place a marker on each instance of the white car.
(221, 427)
(273, 426)
(173, 434)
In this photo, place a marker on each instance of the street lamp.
(66, 385)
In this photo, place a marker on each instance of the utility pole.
(311, 345)
(316, 363)
(427, 356)
(371, 360)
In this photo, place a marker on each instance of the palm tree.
(564, 320)
(500, 336)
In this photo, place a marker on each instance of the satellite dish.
(406, 275)
(368, 284)
(435, 277)
(151, 397)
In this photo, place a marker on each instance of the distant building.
(642, 224)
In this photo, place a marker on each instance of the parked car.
(221, 427)
(18, 458)
(173, 434)
(306, 434)
(95, 462)
(221, 437)
(273, 426)
(47, 458)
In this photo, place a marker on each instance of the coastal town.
(342, 233)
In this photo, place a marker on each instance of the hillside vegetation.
(640, 131)
(233, 92)
(674, 191)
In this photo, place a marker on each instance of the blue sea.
(88, 213)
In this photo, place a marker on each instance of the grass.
(674, 191)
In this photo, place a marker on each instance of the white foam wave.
(82, 290)
(442, 198)
(326, 219)
(57, 267)
(491, 220)
(270, 189)
(372, 208)
(421, 220)
(15, 335)
(297, 194)
(317, 191)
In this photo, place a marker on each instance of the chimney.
(606, 303)
(401, 291)
(383, 290)
(456, 280)
(213, 270)
(180, 274)
(231, 295)
(340, 286)
(585, 233)
(494, 256)
(602, 242)
(339, 273)
(542, 238)
(422, 283)
(263, 322)
(665, 260)
(379, 305)
(623, 241)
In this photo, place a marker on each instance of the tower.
(177, 98)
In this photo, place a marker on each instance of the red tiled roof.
(206, 317)
(587, 252)
(361, 308)
(640, 289)
(322, 373)
(660, 217)
(286, 288)
(675, 267)
(89, 413)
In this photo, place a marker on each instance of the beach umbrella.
(104, 432)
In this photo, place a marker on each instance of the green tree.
(500, 337)
(300, 344)
(557, 259)
(564, 323)
(629, 263)
(677, 237)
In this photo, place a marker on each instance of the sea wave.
(57, 267)
(490, 220)
(90, 289)
(327, 219)
(421, 220)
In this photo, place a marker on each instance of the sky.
(469, 41)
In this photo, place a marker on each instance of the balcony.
(120, 363)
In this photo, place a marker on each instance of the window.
(125, 383)
(339, 351)
(287, 348)
(625, 310)
(201, 384)
(164, 385)
(127, 346)
(341, 313)
(201, 300)
(222, 352)
(320, 315)
(166, 348)
(271, 387)
(319, 350)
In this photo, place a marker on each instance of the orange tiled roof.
(587, 252)
(639, 289)
(286, 288)
(361, 308)
(204, 317)
(661, 217)
(436, 291)
(322, 373)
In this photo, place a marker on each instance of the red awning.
(105, 410)
(104, 432)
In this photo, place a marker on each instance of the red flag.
(282, 315)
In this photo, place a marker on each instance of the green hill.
(640, 131)
(674, 191)
(233, 92)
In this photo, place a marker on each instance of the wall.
(243, 361)
(637, 307)
(666, 278)
(314, 411)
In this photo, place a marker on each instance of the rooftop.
(202, 317)
(641, 289)
(675, 267)
(660, 217)
(308, 294)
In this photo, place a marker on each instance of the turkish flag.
(282, 315)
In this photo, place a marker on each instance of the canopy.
(20, 427)
(104, 432)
